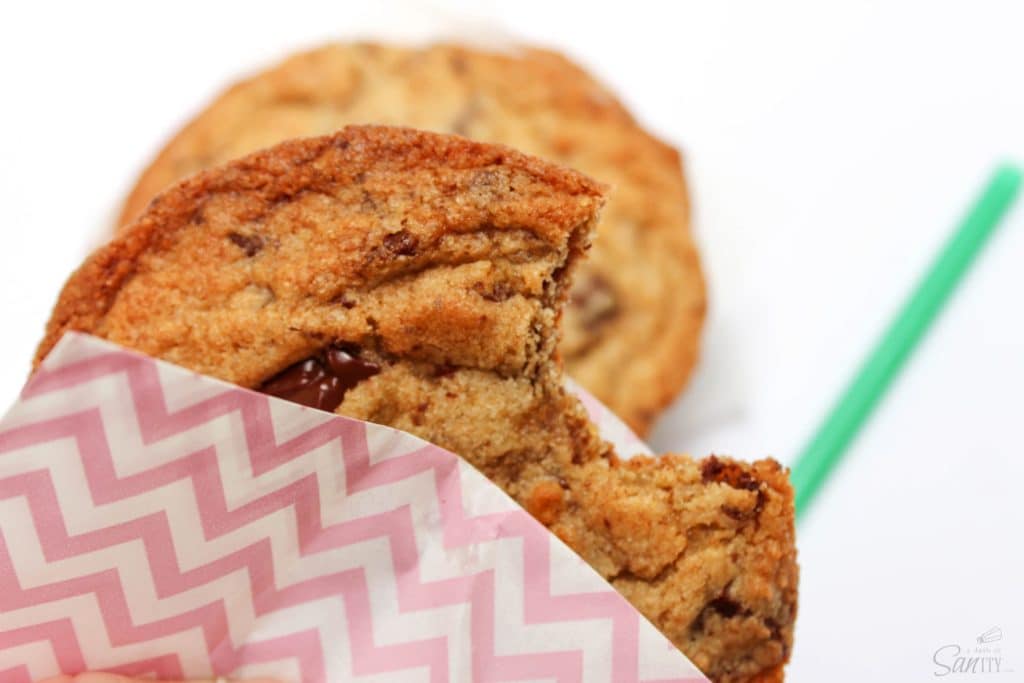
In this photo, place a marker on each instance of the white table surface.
(831, 148)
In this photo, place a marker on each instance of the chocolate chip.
(722, 606)
(710, 469)
(401, 243)
(594, 301)
(321, 381)
(725, 606)
(250, 244)
(347, 366)
(715, 470)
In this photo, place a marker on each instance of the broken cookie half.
(416, 280)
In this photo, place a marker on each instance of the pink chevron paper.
(157, 522)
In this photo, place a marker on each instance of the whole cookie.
(416, 280)
(632, 327)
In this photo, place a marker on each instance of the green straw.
(855, 404)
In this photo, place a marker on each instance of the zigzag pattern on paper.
(270, 593)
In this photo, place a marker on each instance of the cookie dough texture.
(632, 327)
(440, 266)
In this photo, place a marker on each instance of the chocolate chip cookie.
(416, 280)
(632, 325)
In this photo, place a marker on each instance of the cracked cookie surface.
(631, 329)
(416, 280)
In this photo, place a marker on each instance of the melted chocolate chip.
(250, 244)
(321, 381)
(348, 366)
(726, 607)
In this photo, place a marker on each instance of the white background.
(831, 148)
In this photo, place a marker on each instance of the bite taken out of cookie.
(417, 280)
